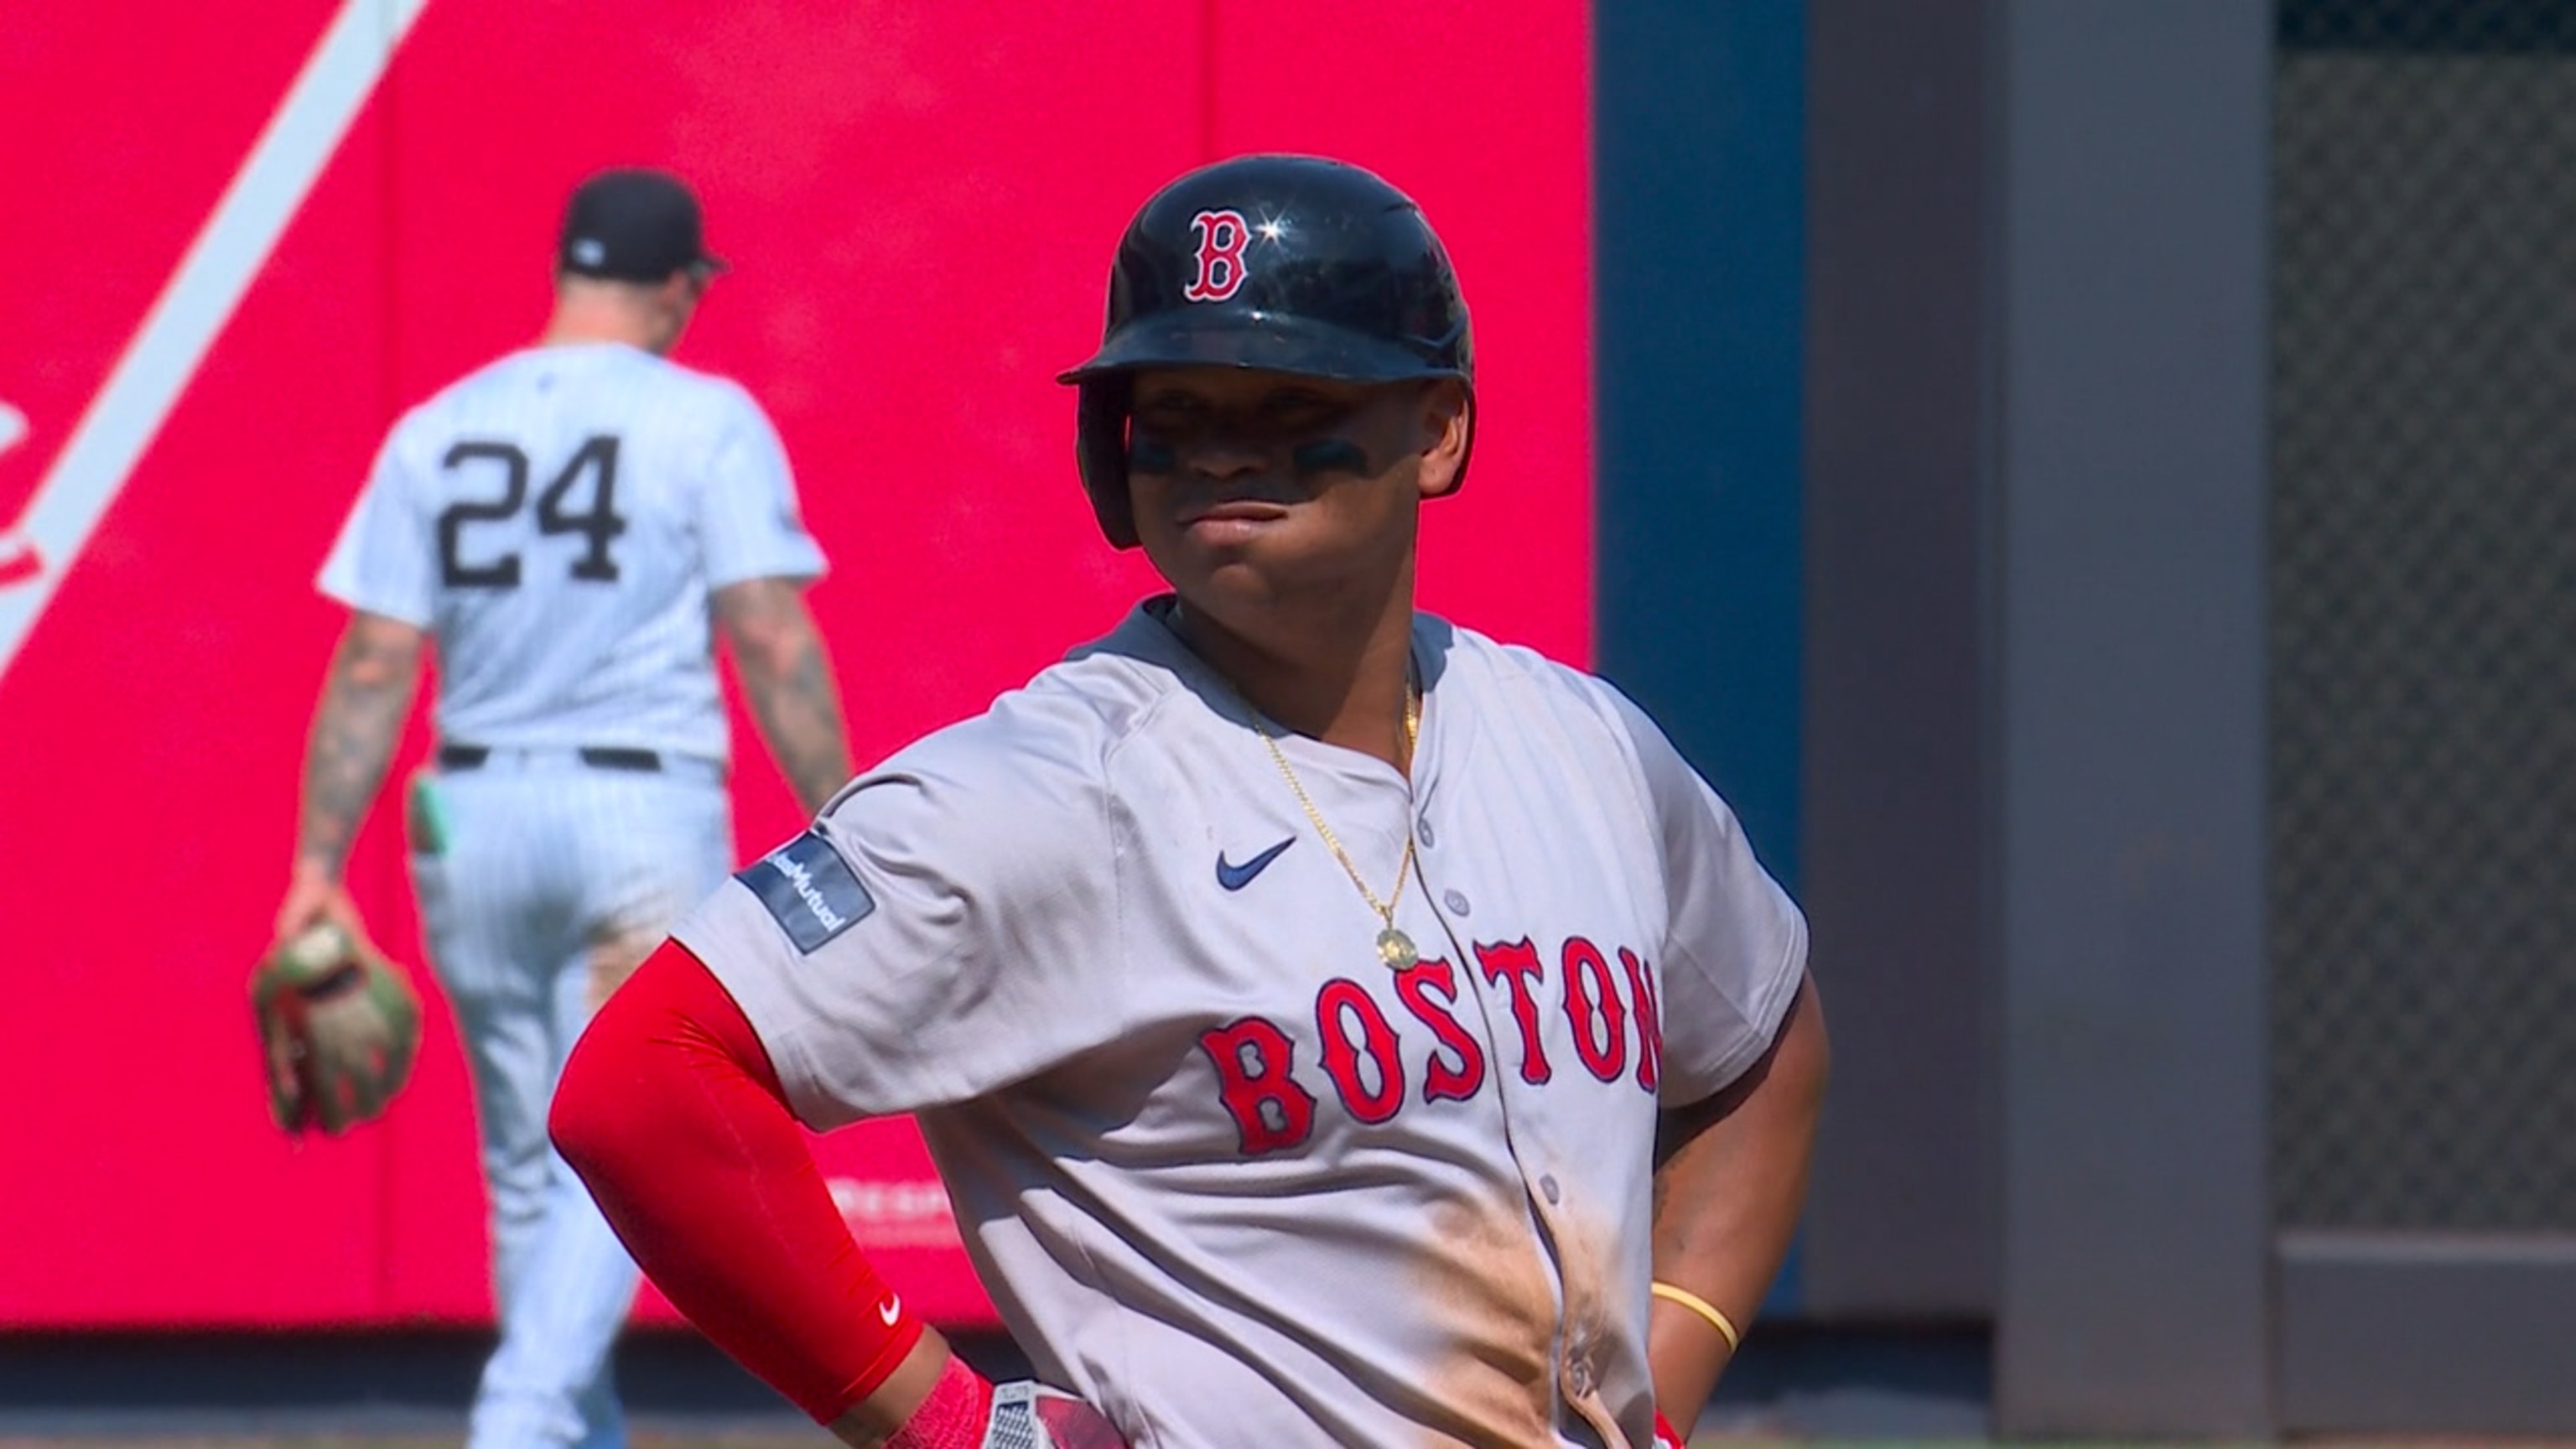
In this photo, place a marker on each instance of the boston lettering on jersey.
(1259, 1075)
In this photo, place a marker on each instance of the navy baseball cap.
(634, 224)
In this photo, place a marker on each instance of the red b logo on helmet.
(1222, 236)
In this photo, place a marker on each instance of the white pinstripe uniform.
(558, 521)
(1230, 1177)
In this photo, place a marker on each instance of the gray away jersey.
(558, 521)
(1226, 1175)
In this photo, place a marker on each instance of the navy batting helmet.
(1292, 264)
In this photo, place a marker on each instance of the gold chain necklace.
(1393, 946)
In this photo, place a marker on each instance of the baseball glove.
(338, 1028)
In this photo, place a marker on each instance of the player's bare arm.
(365, 697)
(788, 678)
(1730, 1180)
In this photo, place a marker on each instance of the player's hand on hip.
(966, 1411)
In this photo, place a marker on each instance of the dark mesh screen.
(2423, 598)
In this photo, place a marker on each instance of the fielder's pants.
(537, 873)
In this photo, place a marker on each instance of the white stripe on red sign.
(122, 420)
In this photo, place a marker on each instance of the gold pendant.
(1396, 949)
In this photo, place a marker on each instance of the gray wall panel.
(2389, 1333)
(2130, 493)
(1896, 388)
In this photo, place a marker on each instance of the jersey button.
(1422, 829)
(1456, 903)
(1579, 1377)
(1547, 1188)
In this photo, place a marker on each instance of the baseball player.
(572, 525)
(1333, 1027)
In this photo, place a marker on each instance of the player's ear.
(1448, 420)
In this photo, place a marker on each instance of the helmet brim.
(1254, 342)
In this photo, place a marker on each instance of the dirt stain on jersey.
(1488, 1292)
(1589, 1265)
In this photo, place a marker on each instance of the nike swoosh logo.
(1236, 877)
(891, 1309)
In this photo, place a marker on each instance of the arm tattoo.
(365, 699)
(788, 679)
(800, 714)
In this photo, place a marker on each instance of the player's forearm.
(787, 676)
(670, 1112)
(799, 709)
(365, 698)
(1728, 1192)
(800, 717)
(877, 1419)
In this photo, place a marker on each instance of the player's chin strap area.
(1100, 453)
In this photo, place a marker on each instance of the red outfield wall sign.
(252, 235)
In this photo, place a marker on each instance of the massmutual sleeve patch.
(809, 889)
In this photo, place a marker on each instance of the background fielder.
(1333, 1027)
(571, 525)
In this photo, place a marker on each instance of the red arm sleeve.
(671, 1112)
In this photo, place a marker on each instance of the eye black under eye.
(1146, 455)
